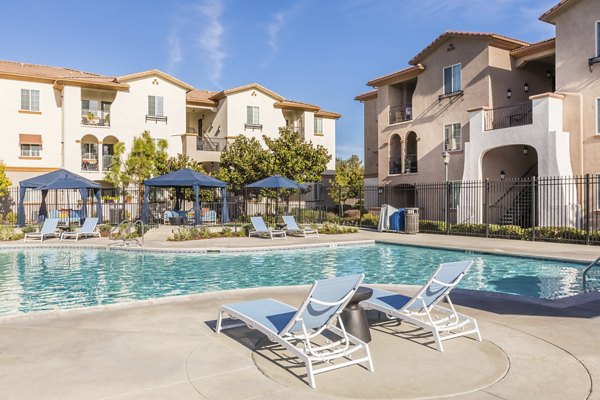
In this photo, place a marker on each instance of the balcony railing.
(410, 164)
(89, 162)
(95, 117)
(257, 127)
(156, 118)
(506, 117)
(395, 165)
(107, 161)
(400, 113)
(296, 128)
(206, 143)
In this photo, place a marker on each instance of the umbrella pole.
(276, 204)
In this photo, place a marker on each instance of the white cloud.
(273, 28)
(210, 38)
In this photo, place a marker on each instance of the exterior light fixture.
(525, 150)
(526, 87)
(502, 175)
(446, 157)
(508, 94)
(549, 74)
(380, 190)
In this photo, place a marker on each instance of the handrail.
(586, 270)
(123, 236)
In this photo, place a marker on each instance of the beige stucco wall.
(371, 161)
(575, 44)
(47, 124)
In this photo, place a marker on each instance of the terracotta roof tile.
(297, 105)
(504, 40)
(533, 47)
(557, 7)
(200, 96)
(371, 94)
(406, 73)
(44, 71)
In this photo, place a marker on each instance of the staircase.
(519, 211)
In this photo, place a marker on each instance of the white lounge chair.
(424, 311)
(260, 228)
(48, 230)
(297, 329)
(88, 229)
(292, 228)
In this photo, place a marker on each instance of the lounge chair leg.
(438, 341)
(368, 353)
(477, 333)
(310, 375)
(218, 328)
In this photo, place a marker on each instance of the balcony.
(89, 162)
(107, 161)
(156, 118)
(91, 117)
(507, 117)
(400, 113)
(296, 128)
(253, 127)
(206, 143)
(395, 165)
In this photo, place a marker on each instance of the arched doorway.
(89, 153)
(411, 161)
(395, 155)
(509, 162)
(108, 151)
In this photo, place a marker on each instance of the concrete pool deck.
(166, 348)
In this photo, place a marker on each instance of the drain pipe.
(580, 127)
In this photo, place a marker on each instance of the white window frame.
(458, 142)
(255, 115)
(318, 121)
(156, 112)
(452, 78)
(30, 103)
(30, 150)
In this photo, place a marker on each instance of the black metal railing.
(509, 116)
(95, 117)
(298, 128)
(257, 127)
(207, 143)
(395, 165)
(401, 113)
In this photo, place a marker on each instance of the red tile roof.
(556, 8)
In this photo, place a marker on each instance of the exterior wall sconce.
(446, 158)
(526, 87)
(380, 190)
(525, 150)
(502, 175)
(508, 94)
(549, 74)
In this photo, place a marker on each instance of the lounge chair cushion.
(269, 313)
(387, 299)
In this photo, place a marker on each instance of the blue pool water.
(43, 279)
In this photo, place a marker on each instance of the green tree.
(141, 163)
(5, 183)
(295, 158)
(181, 161)
(348, 180)
(6, 200)
(243, 162)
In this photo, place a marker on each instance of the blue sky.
(317, 51)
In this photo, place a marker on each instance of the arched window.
(108, 151)
(411, 160)
(89, 153)
(395, 155)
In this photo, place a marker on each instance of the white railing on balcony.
(89, 162)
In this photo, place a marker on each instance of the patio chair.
(260, 228)
(423, 309)
(48, 229)
(292, 228)
(87, 230)
(297, 329)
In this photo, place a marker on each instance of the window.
(30, 150)
(598, 115)
(30, 100)
(95, 112)
(155, 106)
(597, 38)
(452, 137)
(252, 115)
(319, 126)
(452, 79)
(89, 156)
(454, 195)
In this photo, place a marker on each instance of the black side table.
(354, 316)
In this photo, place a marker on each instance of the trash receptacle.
(411, 220)
(397, 220)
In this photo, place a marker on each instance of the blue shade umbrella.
(59, 179)
(276, 182)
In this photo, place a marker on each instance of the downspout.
(62, 125)
(580, 127)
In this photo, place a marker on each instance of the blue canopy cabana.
(276, 182)
(186, 178)
(60, 179)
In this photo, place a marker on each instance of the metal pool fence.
(561, 209)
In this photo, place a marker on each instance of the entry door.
(200, 127)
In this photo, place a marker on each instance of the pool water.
(43, 279)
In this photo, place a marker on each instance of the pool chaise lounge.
(298, 330)
(48, 230)
(423, 309)
(88, 229)
(260, 229)
(292, 228)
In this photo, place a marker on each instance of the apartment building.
(497, 107)
(54, 117)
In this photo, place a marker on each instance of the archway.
(509, 162)
(395, 154)
(411, 161)
(108, 151)
(89, 153)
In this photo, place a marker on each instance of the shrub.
(11, 218)
(354, 214)
(28, 229)
(227, 231)
(8, 233)
(246, 229)
(369, 219)
(432, 226)
(331, 217)
(334, 229)
(105, 227)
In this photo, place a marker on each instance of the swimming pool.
(45, 278)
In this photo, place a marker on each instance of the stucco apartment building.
(54, 117)
(500, 107)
